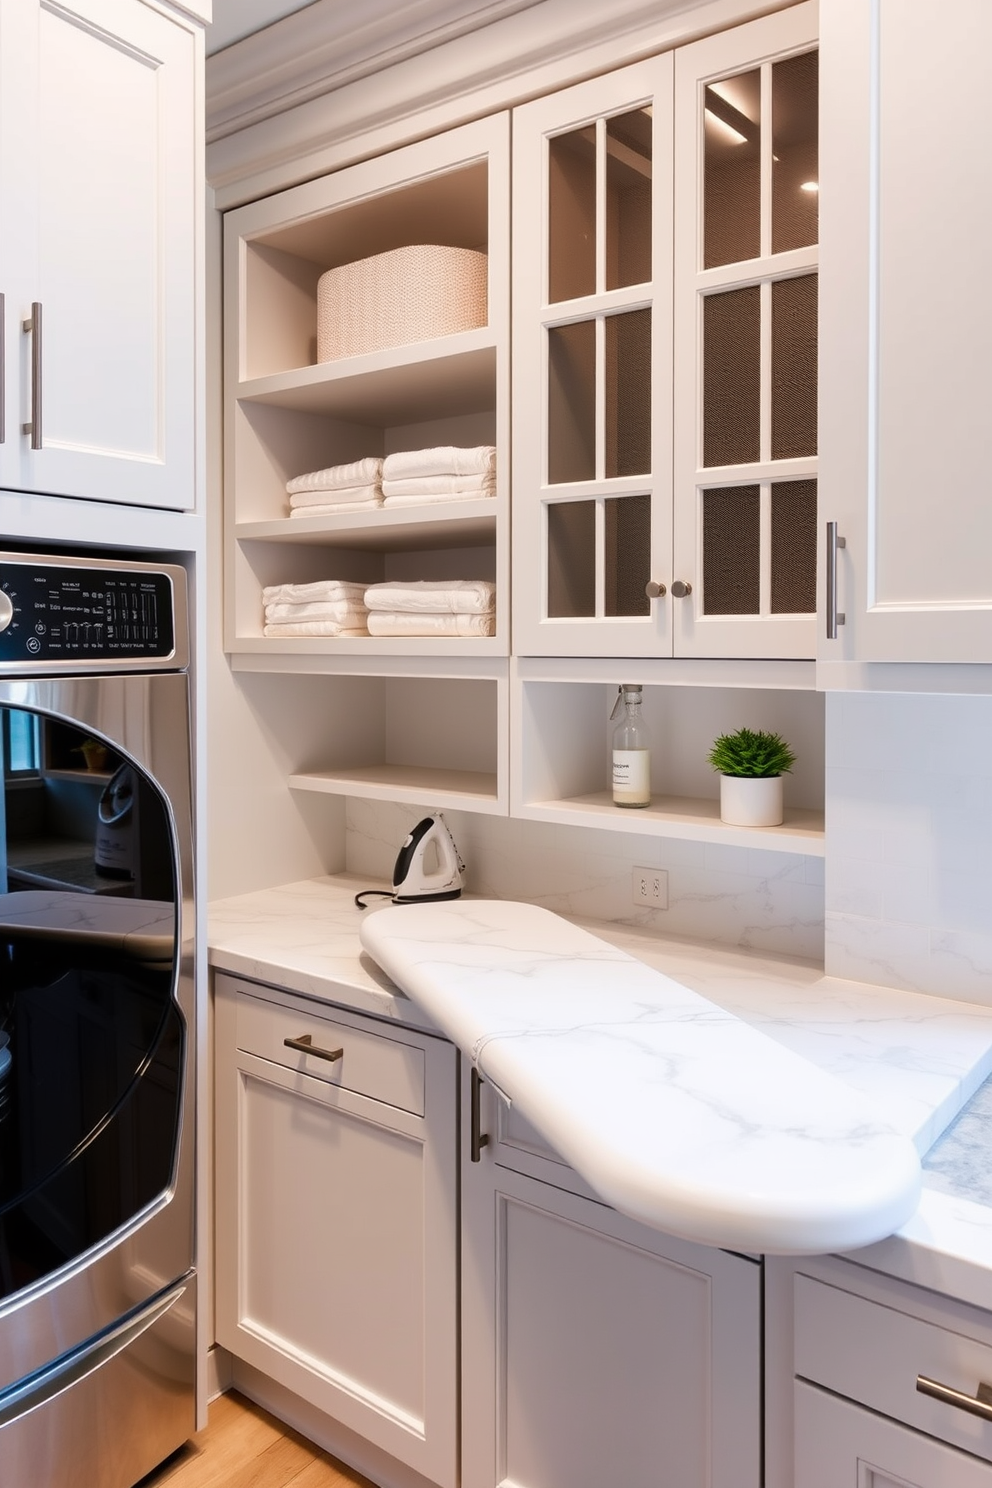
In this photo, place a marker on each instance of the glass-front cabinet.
(665, 222)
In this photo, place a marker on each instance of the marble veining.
(674, 1110)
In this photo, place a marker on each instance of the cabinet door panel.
(613, 1353)
(106, 245)
(592, 376)
(839, 1445)
(907, 325)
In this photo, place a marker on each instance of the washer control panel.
(64, 612)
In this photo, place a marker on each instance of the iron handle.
(835, 617)
(306, 1045)
(33, 328)
(681, 589)
(477, 1137)
(3, 368)
(654, 590)
(979, 1404)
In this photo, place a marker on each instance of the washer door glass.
(91, 1038)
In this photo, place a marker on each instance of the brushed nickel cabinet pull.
(654, 590)
(33, 328)
(306, 1045)
(835, 617)
(3, 368)
(478, 1138)
(681, 589)
(979, 1404)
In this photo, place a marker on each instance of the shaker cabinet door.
(906, 372)
(99, 174)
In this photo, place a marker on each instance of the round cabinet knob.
(6, 610)
(681, 589)
(654, 591)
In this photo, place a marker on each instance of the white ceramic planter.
(749, 801)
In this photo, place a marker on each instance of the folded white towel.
(357, 473)
(339, 494)
(400, 501)
(445, 459)
(433, 596)
(453, 485)
(431, 625)
(335, 508)
(314, 628)
(323, 589)
(345, 611)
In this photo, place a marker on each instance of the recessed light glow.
(733, 135)
(810, 186)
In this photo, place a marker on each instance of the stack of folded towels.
(331, 607)
(341, 488)
(442, 607)
(446, 473)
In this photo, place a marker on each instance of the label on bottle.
(632, 777)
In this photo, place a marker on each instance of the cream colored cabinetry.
(665, 254)
(595, 1350)
(336, 1216)
(100, 171)
(907, 322)
(418, 719)
(890, 1384)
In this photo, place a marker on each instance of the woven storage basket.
(408, 294)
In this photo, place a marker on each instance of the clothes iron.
(428, 865)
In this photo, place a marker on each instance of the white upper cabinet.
(906, 375)
(100, 177)
(665, 257)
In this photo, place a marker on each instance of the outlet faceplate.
(650, 887)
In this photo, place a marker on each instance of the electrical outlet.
(651, 887)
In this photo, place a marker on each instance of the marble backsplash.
(763, 901)
(909, 841)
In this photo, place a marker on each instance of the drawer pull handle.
(478, 1138)
(306, 1045)
(979, 1404)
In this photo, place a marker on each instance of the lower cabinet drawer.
(330, 1049)
(895, 1363)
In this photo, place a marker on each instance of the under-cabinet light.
(810, 186)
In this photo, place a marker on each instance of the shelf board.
(449, 524)
(434, 648)
(467, 790)
(404, 385)
(690, 818)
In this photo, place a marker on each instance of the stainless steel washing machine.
(97, 1278)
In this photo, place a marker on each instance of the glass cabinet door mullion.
(600, 397)
(765, 549)
(765, 373)
(600, 558)
(767, 162)
(601, 212)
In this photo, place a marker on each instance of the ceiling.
(236, 19)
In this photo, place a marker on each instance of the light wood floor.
(243, 1447)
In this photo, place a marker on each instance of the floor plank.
(242, 1446)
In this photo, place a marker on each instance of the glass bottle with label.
(631, 750)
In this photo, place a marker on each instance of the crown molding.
(533, 50)
(328, 45)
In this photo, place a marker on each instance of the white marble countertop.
(918, 1058)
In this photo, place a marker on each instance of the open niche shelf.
(288, 414)
(436, 740)
(562, 740)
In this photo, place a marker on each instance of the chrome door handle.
(835, 617)
(306, 1045)
(979, 1404)
(477, 1137)
(33, 327)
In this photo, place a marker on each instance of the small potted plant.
(751, 765)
